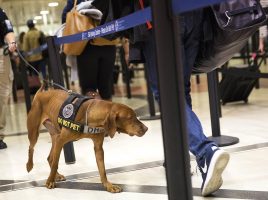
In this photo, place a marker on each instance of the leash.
(39, 74)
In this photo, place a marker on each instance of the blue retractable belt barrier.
(121, 24)
(36, 50)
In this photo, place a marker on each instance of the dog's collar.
(68, 111)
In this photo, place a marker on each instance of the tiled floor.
(136, 163)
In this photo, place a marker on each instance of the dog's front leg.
(99, 154)
(50, 184)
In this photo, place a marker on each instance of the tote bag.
(76, 23)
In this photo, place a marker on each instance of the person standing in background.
(96, 63)
(32, 40)
(7, 36)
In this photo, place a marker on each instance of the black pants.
(95, 69)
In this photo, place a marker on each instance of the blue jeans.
(190, 36)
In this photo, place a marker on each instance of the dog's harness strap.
(70, 107)
(68, 112)
(79, 127)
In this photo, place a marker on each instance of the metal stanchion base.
(154, 117)
(224, 140)
(69, 163)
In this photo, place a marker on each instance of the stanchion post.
(26, 89)
(65, 69)
(221, 140)
(172, 101)
(150, 99)
(125, 72)
(57, 77)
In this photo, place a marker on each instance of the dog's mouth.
(122, 131)
(139, 133)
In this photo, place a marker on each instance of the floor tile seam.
(92, 174)
(154, 189)
(158, 190)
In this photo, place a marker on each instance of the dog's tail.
(33, 123)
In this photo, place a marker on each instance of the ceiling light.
(53, 4)
(38, 17)
(44, 12)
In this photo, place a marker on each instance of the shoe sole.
(217, 165)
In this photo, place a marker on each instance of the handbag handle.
(75, 4)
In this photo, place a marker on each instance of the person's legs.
(87, 66)
(105, 71)
(207, 153)
(5, 92)
(210, 159)
(190, 39)
(148, 49)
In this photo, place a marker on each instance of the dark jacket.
(114, 9)
(5, 26)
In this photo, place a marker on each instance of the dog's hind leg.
(54, 133)
(99, 154)
(33, 124)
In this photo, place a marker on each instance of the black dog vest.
(68, 112)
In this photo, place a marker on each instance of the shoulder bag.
(229, 25)
(76, 23)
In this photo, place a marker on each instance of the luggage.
(235, 85)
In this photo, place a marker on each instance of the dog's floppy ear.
(110, 124)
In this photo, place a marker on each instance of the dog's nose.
(143, 130)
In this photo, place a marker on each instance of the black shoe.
(3, 145)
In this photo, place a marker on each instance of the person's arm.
(125, 44)
(262, 37)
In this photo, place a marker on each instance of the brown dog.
(112, 117)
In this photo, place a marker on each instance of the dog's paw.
(114, 188)
(29, 166)
(50, 184)
(59, 178)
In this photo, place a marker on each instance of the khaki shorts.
(6, 78)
